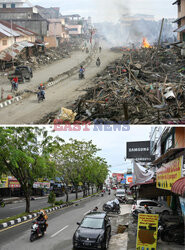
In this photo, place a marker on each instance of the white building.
(14, 3)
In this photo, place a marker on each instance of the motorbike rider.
(147, 209)
(82, 70)
(15, 82)
(95, 209)
(42, 88)
(98, 62)
(41, 220)
(109, 192)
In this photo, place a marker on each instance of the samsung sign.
(140, 151)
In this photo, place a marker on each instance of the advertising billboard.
(140, 151)
(169, 173)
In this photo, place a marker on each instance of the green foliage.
(57, 203)
(51, 198)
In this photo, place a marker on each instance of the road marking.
(87, 212)
(16, 207)
(98, 204)
(59, 231)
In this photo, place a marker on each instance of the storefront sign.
(169, 173)
(147, 231)
(41, 185)
(4, 182)
(13, 182)
(140, 151)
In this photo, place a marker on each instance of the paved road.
(62, 225)
(45, 72)
(64, 94)
(17, 208)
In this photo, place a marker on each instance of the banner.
(147, 232)
(4, 182)
(41, 185)
(141, 174)
(169, 173)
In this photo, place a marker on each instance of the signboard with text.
(147, 230)
(140, 151)
(169, 173)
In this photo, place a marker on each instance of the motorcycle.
(40, 96)
(98, 63)
(35, 231)
(136, 212)
(81, 75)
(108, 208)
(14, 86)
(2, 204)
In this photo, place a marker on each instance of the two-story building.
(180, 20)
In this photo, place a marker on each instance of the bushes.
(58, 203)
(51, 198)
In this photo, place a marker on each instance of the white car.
(154, 206)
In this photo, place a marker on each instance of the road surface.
(64, 94)
(18, 208)
(62, 225)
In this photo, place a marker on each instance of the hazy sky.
(113, 144)
(112, 9)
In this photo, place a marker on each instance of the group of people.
(42, 221)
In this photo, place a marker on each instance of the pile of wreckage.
(41, 56)
(145, 86)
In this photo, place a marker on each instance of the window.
(73, 29)
(148, 203)
(13, 5)
(4, 5)
(4, 42)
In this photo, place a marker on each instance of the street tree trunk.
(67, 196)
(76, 188)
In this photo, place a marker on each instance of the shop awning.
(166, 156)
(142, 183)
(179, 187)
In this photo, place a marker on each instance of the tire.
(165, 212)
(32, 237)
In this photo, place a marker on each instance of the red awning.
(179, 187)
(143, 183)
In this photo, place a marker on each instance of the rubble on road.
(145, 86)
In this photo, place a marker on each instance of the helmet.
(41, 84)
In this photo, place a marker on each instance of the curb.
(8, 102)
(28, 217)
(31, 216)
(58, 79)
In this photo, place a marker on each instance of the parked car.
(154, 206)
(22, 72)
(93, 232)
(120, 195)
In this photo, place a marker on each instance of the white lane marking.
(16, 207)
(87, 212)
(98, 204)
(59, 231)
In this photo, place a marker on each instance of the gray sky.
(112, 9)
(112, 143)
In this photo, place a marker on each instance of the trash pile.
(145, 86)
(50, 55)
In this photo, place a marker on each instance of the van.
(120, 195)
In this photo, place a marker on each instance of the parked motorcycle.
(136, 212)
(171, 231)
(35, 231)
(2, 204)
(115, 208)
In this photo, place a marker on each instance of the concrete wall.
(9, 43)
(75, 29)
(55, 28)
(51, 41)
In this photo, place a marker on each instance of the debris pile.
(145, 86)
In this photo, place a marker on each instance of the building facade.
(180, 20)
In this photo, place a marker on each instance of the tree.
(25, 152)
(51, 198)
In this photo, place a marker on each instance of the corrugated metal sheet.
(7, 31)
(11, 52)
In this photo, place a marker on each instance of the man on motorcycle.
(98, 62)
(81, 71)
(15, 83)
(42, 92)
(41, 219)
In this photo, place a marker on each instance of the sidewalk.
(119, 241)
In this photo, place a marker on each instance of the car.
(93, 232)
(153, 205)
(120, 195)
